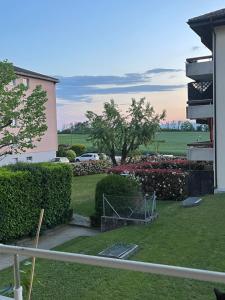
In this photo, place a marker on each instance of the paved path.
(50, 239)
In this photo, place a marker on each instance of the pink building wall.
(49, 141)
(45, 150)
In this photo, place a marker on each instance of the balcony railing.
(200, 68)
(199, 59)
(200, 93)
(166, 270)
(206, 144)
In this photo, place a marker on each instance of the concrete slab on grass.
(191, 201)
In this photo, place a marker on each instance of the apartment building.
(206, 93)
(45, 150)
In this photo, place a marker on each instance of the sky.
(106, 49)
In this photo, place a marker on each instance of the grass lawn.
(175, 142)
(191, 237)
(83, 193)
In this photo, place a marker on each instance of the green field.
(175, 142)
(191, 237)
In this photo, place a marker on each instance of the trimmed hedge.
(90, 167)
(34, 186)
(114, 185)
(19, 197)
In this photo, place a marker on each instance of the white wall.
(220, 106)
(36, 157)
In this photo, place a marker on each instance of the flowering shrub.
(167, 178)
(90, 167)
(168, 184)
(179, 164)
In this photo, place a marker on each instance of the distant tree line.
(85, 128)
(76, 127)
(184, 126)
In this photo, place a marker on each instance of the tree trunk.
(112, 156)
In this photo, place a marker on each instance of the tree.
(113, 132)
(187, 126)
(22, 117)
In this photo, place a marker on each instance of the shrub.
(78, 149)
(114, 185)
(91, 167)
(168, 184)
(167, 178)
(51, 190)
(62, 149)
(71, 155)
(20, 194)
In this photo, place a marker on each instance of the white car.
(61, 160)
(87, 157)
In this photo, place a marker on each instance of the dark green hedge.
(35, 186)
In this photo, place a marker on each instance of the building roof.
(28, 73)
(203, 25)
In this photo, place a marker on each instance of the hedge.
(114, 185)
(168, 184)
(184, 165)
(19, 199)
(167, 178)
(90, 167)
(47, 186)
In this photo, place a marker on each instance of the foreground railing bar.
(159, 269)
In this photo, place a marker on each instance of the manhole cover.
(121, 251)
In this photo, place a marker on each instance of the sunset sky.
(104, 49)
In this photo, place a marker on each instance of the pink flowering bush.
(167, 178)
(90, 167)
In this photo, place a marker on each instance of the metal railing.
(199, 58)
(138, 266)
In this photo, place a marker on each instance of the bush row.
(168, 184)
(90, 167)
(183, 164)
(27, 188)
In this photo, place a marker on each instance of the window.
(25, 81)
(14, 123)
(29, 158)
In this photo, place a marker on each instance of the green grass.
(175, 142)
(83, 193)
(191, 237)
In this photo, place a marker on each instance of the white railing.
(167, 270)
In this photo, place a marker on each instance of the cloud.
(195, 48)
(81, 88)
(162, 70)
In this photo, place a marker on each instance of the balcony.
(194, 112)
(200, 93)
(201, 151)
(200, 68)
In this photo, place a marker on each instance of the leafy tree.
(187, 126)
(113, 132)
(22, 117)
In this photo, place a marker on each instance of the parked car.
(87, 157)
(60, 160)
